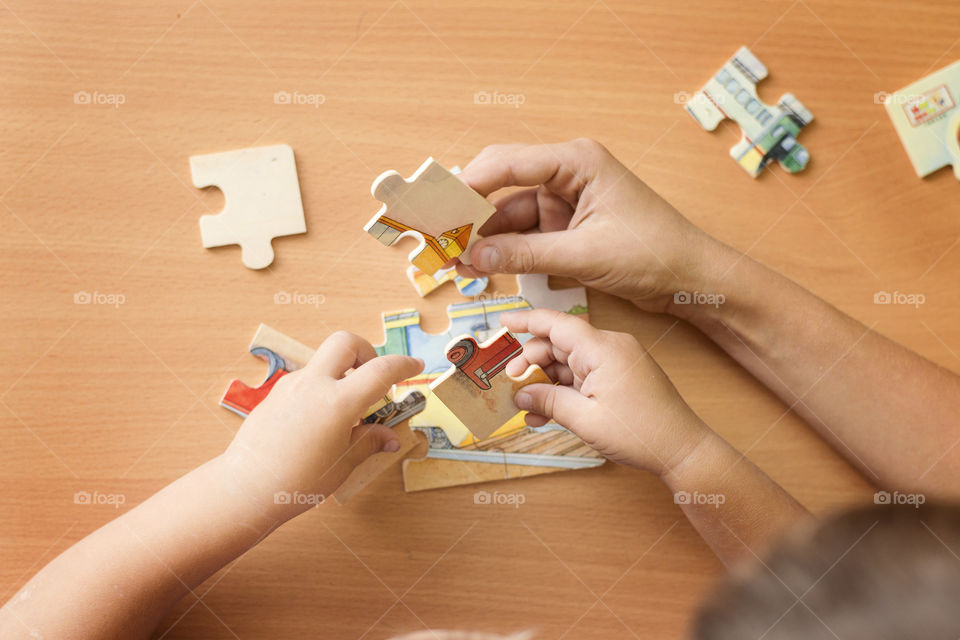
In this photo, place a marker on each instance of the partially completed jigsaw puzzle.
(769, 132)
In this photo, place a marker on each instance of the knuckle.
(522, 259)
(590, 147)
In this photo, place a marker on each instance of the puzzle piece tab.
(425, 284)
(769, 133)
(927, 119)
(477, 389)
(261, 200)
(434, 206)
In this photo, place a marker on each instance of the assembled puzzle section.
(426, 284)
(261, 200)
(927, 119)
(477, 389)
(769, 132)
(433, 206)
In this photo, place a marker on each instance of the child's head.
(883, 572)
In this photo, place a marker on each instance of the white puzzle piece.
(535, 289)
(927, 119)
(261, 199)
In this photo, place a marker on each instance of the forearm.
(891, 412)
(119, 581)
(737, 509)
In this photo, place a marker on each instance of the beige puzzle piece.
(261, 200)
(477, 389)
(427, 205)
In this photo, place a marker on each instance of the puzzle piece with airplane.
(768, 132)
(434, 207)
(261, 200)
(927, 119)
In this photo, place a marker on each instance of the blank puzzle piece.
(769, 133)
(261, 200)
(476, 388)
(434, 206)
(927, 119)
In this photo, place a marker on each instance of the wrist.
(709, 290)
(246, 479)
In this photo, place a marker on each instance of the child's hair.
(883, 572)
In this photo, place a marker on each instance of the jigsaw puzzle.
(476, 388)
(433, 206)
(769, 133)
(535, 289)
(927, 119)
(261, 200)
(425, 284)
(454, 456)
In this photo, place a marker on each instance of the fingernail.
(392, 446)
(524, 400)
(489, 258)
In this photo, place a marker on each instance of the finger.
(555, 252)
(561, 404)
(535, 420)
(539, 351)
(565, 332)
(374, 378)
(369, 439)
(339, 353)
(530, 209)
(563, 168)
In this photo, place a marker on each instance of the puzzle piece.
(477, 389)
(768, 132)
(927, 119)
(535, 289)
(284, 355)
(425, 284)
(435, 207)
(261, 200)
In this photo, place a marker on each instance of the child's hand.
(304, 436)
(610, 393)
(588, 217)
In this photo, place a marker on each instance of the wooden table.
(122, 398)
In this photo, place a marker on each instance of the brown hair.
(885, 572)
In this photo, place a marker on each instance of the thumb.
(524, 253)
(369, 439)
(564, 405)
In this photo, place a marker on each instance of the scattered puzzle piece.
(476, 389)
(426, 284)
(435, 207)
(261, 200)
(768, 132)
(927, 119)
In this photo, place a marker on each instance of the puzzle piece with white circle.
(927, 119)
(434, 207)
(261, 200)
(769, 132)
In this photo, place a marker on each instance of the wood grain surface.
(120, 395)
